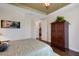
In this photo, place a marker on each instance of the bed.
(27, 47)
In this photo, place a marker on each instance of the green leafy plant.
(60, 18)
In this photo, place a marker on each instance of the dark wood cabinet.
(59, 34)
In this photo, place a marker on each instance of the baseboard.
(49, 43)
(73, 50)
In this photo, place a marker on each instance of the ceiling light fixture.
(47, 5)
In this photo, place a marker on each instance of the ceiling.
(41, 6)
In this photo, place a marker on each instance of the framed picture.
(10, 24)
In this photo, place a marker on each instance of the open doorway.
(40, 32)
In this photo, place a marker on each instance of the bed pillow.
(3, 47)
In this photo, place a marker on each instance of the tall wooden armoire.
(59, 35)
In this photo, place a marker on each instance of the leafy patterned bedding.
(27, 47)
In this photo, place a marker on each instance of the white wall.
(71, 14)
(9, 12)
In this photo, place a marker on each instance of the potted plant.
(60, 18)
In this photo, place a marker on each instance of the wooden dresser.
(59, 35)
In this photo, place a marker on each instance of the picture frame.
(10, 24)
